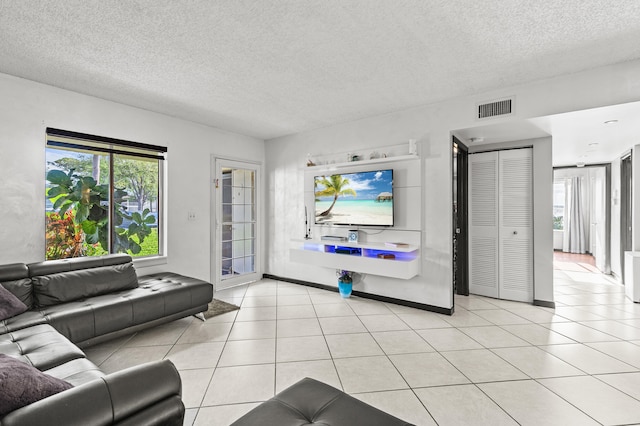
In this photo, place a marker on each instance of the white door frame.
(218, 281)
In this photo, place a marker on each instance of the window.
(559, 191)
(103, 196)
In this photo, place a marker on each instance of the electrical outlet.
(191, 216)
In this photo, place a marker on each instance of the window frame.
(76, 142)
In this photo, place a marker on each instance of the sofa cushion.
(88, 318)
(10, 305)
(64, 287)
(181, 292)
(41, 346)
(76, 372)
(22, 384)
(74, 320)
(24, 320)
(21, 288)
(13, 271)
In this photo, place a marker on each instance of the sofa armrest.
(146, 394)
(137, 388)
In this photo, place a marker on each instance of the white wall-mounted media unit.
(368, 258)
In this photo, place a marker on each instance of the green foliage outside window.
(558, 222)
(79, 224)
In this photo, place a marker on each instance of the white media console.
(363, 257)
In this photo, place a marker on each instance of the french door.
(236, 223)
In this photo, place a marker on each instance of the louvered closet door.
(483, 224)
(516, 225)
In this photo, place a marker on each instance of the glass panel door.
(236, 223)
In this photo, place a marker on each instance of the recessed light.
(611, 122)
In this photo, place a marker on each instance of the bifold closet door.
(515, 205)
(483, 224)
(501, 224)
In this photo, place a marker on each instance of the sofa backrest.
(76, 263)
(66, 280)
(15, 278)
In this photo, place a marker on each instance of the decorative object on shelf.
(332, 238)
(374, 155)
(307, 228)
(345, 282)
(355, 157)
(413, 150)
(395, 244)
(352, 235)
(386, 256)
(355, 251)
(310, 162)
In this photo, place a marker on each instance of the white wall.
(27, 108)
(285, 160)
(616, 265)
(432, 126)
(635, 195)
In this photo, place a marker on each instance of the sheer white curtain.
(575, 237)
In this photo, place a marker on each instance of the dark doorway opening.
(460, 218)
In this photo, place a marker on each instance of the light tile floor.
(493, 362)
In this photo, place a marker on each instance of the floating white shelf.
(332, 166)
(406, 264)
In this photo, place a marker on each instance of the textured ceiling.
(267, 68)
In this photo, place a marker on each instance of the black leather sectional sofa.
(78, 302)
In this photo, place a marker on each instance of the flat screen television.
(357, 199)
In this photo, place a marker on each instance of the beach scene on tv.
(364, 198)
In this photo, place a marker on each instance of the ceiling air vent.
(494, 109)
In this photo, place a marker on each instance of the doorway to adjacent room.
(582, 215)
(460, 218)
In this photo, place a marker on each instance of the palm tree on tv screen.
(334, 186)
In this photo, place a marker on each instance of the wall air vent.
(495, 109)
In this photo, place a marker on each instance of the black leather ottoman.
(310, 402)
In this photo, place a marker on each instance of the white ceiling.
(269, 68)
(578, 137)
(586, 137)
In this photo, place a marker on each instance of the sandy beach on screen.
(356, 213)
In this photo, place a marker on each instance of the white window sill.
(145, 262)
